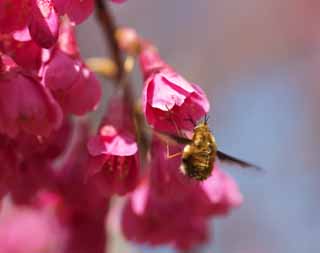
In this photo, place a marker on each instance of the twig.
(108, 25)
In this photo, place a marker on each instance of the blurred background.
(259, 62)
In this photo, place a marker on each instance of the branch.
(106, 21)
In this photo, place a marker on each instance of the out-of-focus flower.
(169, 101)
(25, 104)
(84, 208)
(128, 40)
(114, 151)
(41, 17)
(31, 230)
(144, 217)
(166, 194)
(38, 15)
(65, 74)
(27, 162)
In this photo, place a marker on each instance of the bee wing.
(233, 160)
(172, 139)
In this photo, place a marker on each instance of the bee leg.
(170, 156)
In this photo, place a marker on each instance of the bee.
(201, 152)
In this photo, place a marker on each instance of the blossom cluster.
(57, 177)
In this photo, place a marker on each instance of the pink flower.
(84, 209)
(41, 17)
(168, 99)
(68, 78)
(222, 193)
(114, 151)
(25, 104)
(147, 220)
(31, 230)
(168, 193)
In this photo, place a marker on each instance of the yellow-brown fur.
(199, 156)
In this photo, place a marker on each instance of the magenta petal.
(61, 5)
(213, 187)
(123, 145)
(26, 53)
(14, 15)
(22, 35)
(222, 192)
(119, 145)
(67, 39)
(96, 146)
(78, 11)
(44, 24)
(139, 199)
(168, 99)
(233, 195)
(86, 87)
(179, 83)
(31, 230)
(200, 98)
(25, 104)
(164, 95)
(61, 72)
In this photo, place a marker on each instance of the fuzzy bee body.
(199, 156)
(201, 152)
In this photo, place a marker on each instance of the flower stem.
(107, 23)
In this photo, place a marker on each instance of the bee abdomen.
(198, 167)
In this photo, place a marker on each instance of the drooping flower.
(167, 193)
(27, 162)
(84, 208)
(65, 74)
(114, 151)
(170, 102)
(25, 104)
(41, 17)
(145, 219)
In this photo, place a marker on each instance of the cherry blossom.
(115, 163)
(169, 101)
